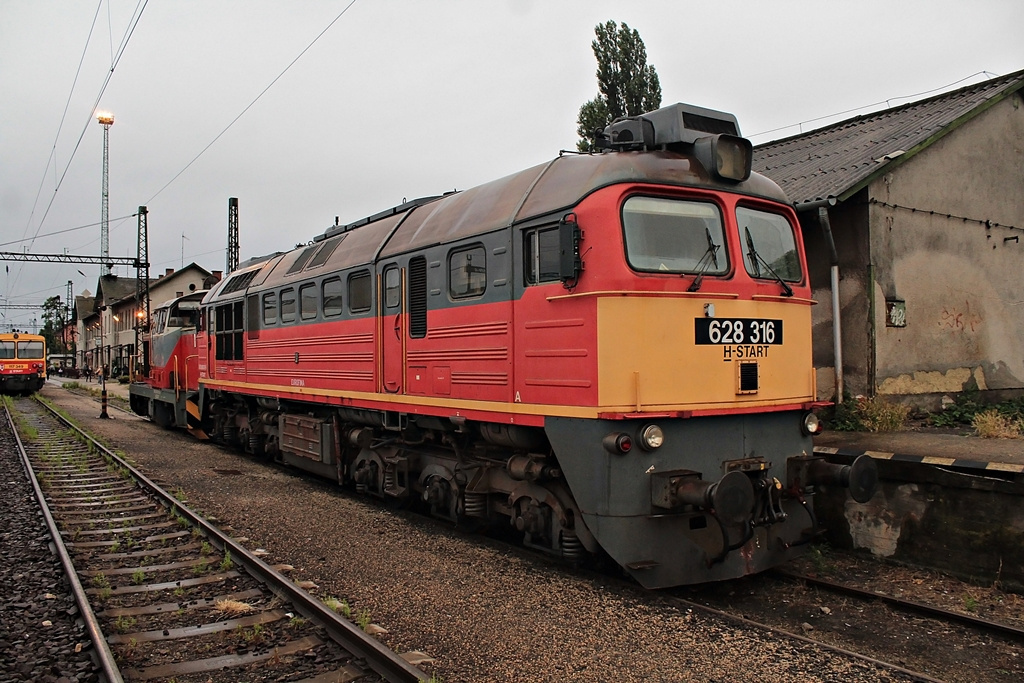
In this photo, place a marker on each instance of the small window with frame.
(307, 301)
(467, 272)
(392, 287)
(360, 292)
(541, 252)
(288, 305)
(270, 308)
(331, 291)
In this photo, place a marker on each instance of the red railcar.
(611, 352)
(22, 363)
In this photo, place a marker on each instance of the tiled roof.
(840, 159)
(112, 288)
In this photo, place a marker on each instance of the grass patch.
(862, 414)
(991, 424)
(966, 407)
(339, 606)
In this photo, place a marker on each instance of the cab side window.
(467, 272)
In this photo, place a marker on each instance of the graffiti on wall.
(957, 318)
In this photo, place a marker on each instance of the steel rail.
(104, 655)
(921, 608)
(379, 658)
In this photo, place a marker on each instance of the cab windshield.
(674, 236)
(30, 349)
(769, 245)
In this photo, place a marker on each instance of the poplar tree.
(628, 85)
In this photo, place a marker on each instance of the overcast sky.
(397, 99)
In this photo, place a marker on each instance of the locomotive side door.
(393, 322)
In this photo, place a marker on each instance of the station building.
(925, 206)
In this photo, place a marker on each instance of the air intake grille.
(418, 297)
(747, 378)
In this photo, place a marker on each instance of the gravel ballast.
(39, 631)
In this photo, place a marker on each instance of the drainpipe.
(837, 336)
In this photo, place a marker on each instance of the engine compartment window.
(270, 308)
(674, 236)
(288, 305)
(332, 291)
(360, 292)
(769, 245)
(308, 302)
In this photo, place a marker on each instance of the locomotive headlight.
(652, 437)
(811, 424)
(725, 156)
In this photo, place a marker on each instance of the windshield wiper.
(756, 257)
(711, 251)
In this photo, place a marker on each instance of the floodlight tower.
(106, 119)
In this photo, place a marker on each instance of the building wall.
(958, 281)
(848, 223)
(109, 341)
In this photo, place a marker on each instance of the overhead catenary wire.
(251, 104)
(53, 150)
(106, 81)
(64, 231)
(115, 60)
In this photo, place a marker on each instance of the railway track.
(931, 611)
(167, 596)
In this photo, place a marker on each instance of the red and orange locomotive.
(611, 352)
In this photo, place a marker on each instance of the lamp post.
(103, 370)
(105, 119)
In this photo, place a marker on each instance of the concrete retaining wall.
(968, 524)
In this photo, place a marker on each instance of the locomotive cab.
(173, 371)
(22, 363)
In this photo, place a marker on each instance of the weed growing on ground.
(226, 564)
(339, 606)
(818, 556)
(966, 406)
(363, 619)
(992, 424)
(862, 414)
(124, 624)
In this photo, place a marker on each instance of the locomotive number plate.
(737, 331)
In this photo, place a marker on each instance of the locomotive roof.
(553, 187)
(545, 189)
